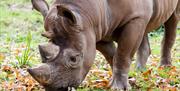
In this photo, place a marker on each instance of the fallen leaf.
(6, 68)
(147, 73)
(2, 57)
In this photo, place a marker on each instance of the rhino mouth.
(56, 89)
(60, 89)
(63, 89)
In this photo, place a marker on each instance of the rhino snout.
(41, 74)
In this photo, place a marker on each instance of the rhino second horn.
(49, 51)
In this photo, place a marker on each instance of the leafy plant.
(23, 59)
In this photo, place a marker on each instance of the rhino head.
(68, 56)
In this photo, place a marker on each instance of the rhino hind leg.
(107, 49)
(168, 40)
(143, 53)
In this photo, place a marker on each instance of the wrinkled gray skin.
(76, 28)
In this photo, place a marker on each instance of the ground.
(20, 34)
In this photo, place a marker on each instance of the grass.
(23, 59)
(18, 20)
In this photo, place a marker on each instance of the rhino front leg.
(128, 42)
(143, 53)
(107, 49)
(168, 40)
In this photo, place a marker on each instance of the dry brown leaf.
(6, 68)
(173, 89)
(147, 73)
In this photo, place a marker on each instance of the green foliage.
(157, 32)
(23, 60)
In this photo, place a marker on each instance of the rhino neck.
(98, 16)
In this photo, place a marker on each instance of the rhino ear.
(41, 6)
(67, 13)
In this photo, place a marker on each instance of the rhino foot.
(165, 62)
(120, 84)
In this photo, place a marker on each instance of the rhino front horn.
(41, 74)
(48, 51)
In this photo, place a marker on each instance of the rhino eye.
(73, 62)
(73, 59)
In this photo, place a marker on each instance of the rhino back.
(162, 10)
